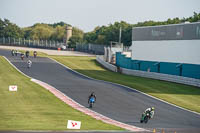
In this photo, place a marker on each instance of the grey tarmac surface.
(47, 51)
(114, 101)
(64, 132)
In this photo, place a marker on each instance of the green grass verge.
(34, 108)
(182, 95)
(41, 54)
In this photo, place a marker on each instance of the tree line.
(100, 35)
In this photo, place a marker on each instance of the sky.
(88, 14)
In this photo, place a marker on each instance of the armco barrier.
(153, 75)
(171, 68)
(107, 65)
(159, 76)
(22, 42)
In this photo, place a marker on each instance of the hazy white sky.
(87, 14)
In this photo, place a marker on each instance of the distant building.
(179, 43)
(167, 49)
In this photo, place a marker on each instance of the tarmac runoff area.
(47, 51)
(113, 101)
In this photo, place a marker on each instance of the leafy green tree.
(27, 32)
(41, 32)
(8, 29)
(100, 35)
(73, 41)
(89, 37)
(59, 33)
(194, 18)
(101, 39)
(59, 24)
(77, 37)
(2, 26)
(77, 32)
(106, 34)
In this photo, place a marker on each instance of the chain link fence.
(101, 49)
(47, 44)
(91, 48)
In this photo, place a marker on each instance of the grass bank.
(34, 108)
(182, 95)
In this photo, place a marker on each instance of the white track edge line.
(129, 88)
(55, 88)
(142, 129)
(16, 68)
(70, 131)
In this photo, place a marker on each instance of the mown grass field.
(178, 94)
(34, 108)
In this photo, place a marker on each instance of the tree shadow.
(146, 85)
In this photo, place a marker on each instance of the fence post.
(50, 42)
(9, 40)
(3, 40)
(50, 46)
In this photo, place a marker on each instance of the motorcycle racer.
(151, 111)
(147, 114)
(29, 62)
(92, 95)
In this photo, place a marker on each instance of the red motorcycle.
(35, 54)
(22, 56)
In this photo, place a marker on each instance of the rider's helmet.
(152, 108)
(92, 94)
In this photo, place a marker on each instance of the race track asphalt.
(114, 101)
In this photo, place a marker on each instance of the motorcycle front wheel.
(90, 105)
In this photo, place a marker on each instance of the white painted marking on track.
(130, 88)
(16, 68)
(80, 107)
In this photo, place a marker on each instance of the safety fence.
(148, 74)
(100, 49)
(47, 44)
(91, 48)
(178, 69)
(161, 76)
(107, 65)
